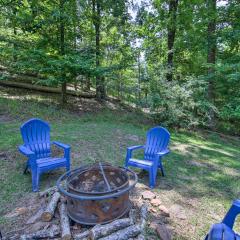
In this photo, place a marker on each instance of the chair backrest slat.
(36, 136)
(157, 141)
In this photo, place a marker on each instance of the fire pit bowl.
(98, 193)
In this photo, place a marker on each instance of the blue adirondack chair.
(37, 148)
(223, 230)
(155, 148)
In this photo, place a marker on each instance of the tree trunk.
(64, 92)
(96, 11)
(62, 51)
(172, 13)
(88, 83)
(119, 87)
(139, 78)
(211, 56)
(15, 34)
(77, 35)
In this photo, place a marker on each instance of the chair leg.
(35, 180)
(26, 168)
(161, 167)
(152, 177)
(162, 171)
(126, 163)
(68, 167)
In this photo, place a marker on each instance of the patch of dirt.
(133, 137)
(124, 138)
(210, 166)
(232, 171)
(3, 155)
(5, 118)
(224, 137)
(84, 105)
(197, 164)
(186, 213)
(75, 105)
(180, 147)
(17, 216)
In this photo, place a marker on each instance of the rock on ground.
(148, 195)
(164, 211)
(156, 202)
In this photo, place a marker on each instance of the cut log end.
(50, 209)
(46, 217)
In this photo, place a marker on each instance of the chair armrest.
(61, 145)
(232, 213)
(26, 151)
(129, 152)
(135, 147)
(65, 147)
(164, 152)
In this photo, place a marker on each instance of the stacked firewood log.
(59, 227)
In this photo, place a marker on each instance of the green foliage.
(182, 104)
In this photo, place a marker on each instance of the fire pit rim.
(83, 170)
(92, 197)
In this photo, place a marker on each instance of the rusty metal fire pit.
(98, 193)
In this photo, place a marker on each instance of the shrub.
(181, 104)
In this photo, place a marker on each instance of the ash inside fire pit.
(98, 193)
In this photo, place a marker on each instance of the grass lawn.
(202, 170)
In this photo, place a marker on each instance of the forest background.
(176, 60)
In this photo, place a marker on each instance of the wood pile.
(51, 221)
